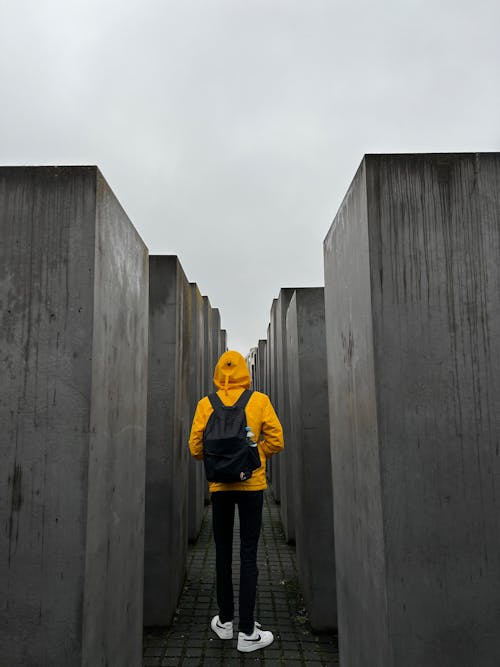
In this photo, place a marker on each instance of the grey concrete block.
(196, 495)
(413, 336)
(267, 363)
(208, 371)
(214, 344)
(261, 368)
(167, 471)
(222, 342)
(273, 468)
(263, 383)
(252, 361)
(282, 403)
(309, 445)
(215, 337)
(73, 295)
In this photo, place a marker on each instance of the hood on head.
(231, 371)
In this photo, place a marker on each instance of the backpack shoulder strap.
(215, 401)
(243, 399)
(241, 402)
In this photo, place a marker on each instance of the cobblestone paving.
(190, 642)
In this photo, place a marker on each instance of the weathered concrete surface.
(210, 361)
(215, 338)
(73, 293)
(252, 362)
(273, 465)
(282, 408)
(222, 342)
(208, 371)
(261, 368)
(167, 471)
(309, 445)
(196, 495)
(413, 337)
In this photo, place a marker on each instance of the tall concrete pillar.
(267, 363)
(282, 408)
(274, 467)
(167, 452)
(197, 483)
(215, 337)
(74, 299)
(251, 360)
(210, 361)
(262, 365)
(412, 277)
(222, 342)
(309, 445)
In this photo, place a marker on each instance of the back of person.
(231, 377)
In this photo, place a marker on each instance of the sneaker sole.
(253, 647)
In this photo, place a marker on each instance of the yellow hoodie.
(231, 377)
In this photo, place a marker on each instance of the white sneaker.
(222, 630)
(258, 639)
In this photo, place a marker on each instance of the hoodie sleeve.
(271, 430)
(199, 422)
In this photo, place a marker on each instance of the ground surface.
(190, 642)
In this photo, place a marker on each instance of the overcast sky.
(230, 130)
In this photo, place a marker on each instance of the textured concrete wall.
(167, 471)
(267, 364)
(309, 444)
(252, 362)
(261, 368)
(263, 384)
(273, 468)
(73, 412)
(266, 389)
(196, 495)
(208, 371)
(215, 336)
(282, 408)
(413, 335)
(210, 361)
(222, 342)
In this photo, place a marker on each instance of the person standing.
(232, 378)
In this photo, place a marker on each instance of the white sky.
(230, 130)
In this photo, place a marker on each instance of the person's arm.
(271, 430)
(196, 438)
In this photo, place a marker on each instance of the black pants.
(250, 513)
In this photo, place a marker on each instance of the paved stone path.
(190, 642)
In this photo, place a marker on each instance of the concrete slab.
(73, 289)
(261, 369)
(215, 334)
(222, 342)
(167, 471)
(413, 339)
(196, 495)
(273, 468)
(210, 361)
(309, 444)
(282, 403)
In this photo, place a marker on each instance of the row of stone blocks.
(97, 496)
(291, 367)
(412, 332)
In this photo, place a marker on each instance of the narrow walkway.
(190, 642)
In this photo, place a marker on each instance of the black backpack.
(227, 455)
